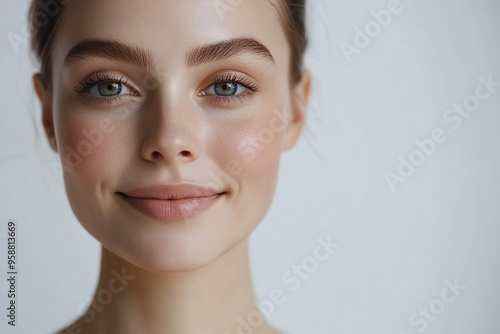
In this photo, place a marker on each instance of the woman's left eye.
(230, 89)
(109, 89)
(225, 89)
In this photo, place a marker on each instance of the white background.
(396, 247)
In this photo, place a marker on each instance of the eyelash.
(251, 87)
(84, 87)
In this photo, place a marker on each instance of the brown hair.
(44, 18)
(293, 13)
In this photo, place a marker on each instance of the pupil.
(110, 88)
(225, 88)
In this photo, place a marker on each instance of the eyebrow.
(227, 49)
(109, 49)
(116, 50)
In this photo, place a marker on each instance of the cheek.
(258, 149)
(90, 145)
(248, 153)
(92, 151)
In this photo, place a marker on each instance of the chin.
(173, 249)
(170, 259)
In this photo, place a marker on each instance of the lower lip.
(172, 210)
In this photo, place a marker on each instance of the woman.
(170, 118)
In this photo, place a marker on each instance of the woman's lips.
(174, 202)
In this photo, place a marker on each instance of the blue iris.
(226, 88)
(109, 88)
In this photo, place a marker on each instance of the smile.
(170, 203)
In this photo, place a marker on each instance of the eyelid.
(250, 87)
(83, 88)
(234, 77)
(100, 77)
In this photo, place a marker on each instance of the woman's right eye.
(104, 89)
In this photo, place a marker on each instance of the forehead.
(168, 28)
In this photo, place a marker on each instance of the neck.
(212, 299)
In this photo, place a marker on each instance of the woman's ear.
(45, 97)
(300, 98)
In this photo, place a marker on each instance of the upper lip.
(172, 191)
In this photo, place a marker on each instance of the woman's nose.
(171, 132)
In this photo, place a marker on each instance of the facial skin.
(169, 119)
(167, 126)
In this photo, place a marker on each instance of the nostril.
(185, 153)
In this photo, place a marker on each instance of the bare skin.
(190, 276)
(201, 304)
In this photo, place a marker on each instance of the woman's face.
(189, 91)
